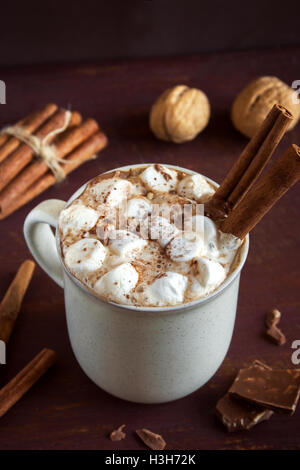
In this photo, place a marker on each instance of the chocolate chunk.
(118, 434)
(276, 335)
(273, 332)
(272, 318)
(152, 440)
(237, 416)
(274, 389)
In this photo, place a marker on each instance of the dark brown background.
(38, 31)
(65, 410)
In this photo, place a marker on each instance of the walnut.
(253, 103)
(179, 114)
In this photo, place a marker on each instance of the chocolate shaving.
(160, 275)
(152, 440)
(272, 319)
(118, 434)
(160, 169)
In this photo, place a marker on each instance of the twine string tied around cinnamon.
(46, 152)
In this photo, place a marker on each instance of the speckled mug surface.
(141, 354)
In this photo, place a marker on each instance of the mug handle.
(40, 239)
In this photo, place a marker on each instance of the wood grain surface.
(65, 410)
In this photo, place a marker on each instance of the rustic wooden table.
(65, 410)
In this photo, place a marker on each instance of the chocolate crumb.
(152, 440)
(118, 434)
(276, 335)
(272, 319)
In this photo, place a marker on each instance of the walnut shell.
(179, 114)
(253, 103)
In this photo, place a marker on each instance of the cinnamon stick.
(262, 156)
(30, 124)
(12, 301)
(25, 379)
(254, 157)
(66, 143)
(3, 138)
(16, 161)
(81, 154)
(284, 173)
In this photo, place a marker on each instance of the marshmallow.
(111, 191)
(104, 227)
(168, 289)
(117, 284)
(159, 178)
(77, 217)
(125, 243)
(228, 246)
(204, 225)
(185, 247)
(201, 223)
(195, 187)
(129, 226)
(85, 256)
(162, 231)
(138, 208)
(138, 189)
(210, 274)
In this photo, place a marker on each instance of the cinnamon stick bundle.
(252, 160)
(284, 173)
(68, 142)
(3, 138)
(15, 162)
(81, 154)
(22, 177)
(25, 379)
(30, 124)
(12, 301)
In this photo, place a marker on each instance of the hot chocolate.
(140, 238)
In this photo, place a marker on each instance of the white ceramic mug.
(145, 355)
